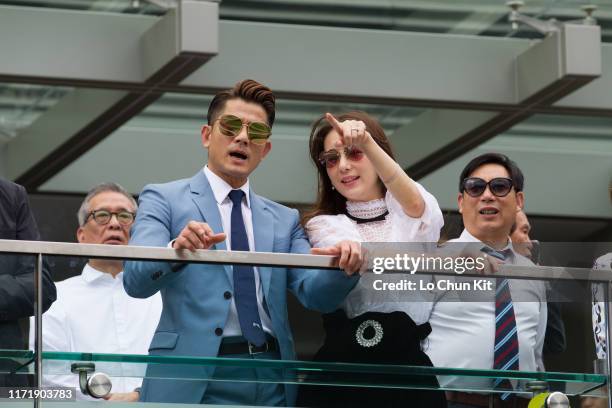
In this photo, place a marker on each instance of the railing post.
(607, 298)
(38, 306)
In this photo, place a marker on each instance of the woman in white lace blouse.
(364, 195)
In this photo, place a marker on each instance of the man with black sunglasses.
(224, 311)
(93, 313)
(507, 332)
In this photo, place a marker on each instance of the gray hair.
(102, 188)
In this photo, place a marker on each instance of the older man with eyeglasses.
(93, 313)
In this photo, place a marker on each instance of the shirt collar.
(91, 274)
(221, 189)
(467, 237)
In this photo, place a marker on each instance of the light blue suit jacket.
(194, 303)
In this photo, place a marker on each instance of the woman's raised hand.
(351, 132)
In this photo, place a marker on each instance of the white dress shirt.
(463, 333)
(93, 313)
(327, 230)
(221, 190)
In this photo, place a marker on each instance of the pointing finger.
(334, 122)
(216, 238)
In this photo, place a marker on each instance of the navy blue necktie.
(244, 278)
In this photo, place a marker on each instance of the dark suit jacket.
(17, 271)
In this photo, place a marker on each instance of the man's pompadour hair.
(247, 90)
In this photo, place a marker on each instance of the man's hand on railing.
(123, 396)
(490, 264)
(197, 235)
(349, 253)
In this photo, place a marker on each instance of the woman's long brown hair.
(330, 201)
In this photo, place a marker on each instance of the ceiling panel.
(465, 17)
(21, 104)
(462, 17)
(155, 7)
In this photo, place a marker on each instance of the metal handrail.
(125, 252)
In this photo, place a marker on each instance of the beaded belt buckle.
(371, 342)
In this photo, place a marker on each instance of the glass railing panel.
(306, 372)
(570, 371)
(337, 374)
(16, 361)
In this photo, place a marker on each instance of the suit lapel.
(202, 195)
(263, 232)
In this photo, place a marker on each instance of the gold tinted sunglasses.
(258, 132)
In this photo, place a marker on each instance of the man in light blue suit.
(216, 310)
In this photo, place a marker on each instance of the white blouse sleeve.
(327, 230)
(425, 228)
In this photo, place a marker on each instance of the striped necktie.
(506, 349)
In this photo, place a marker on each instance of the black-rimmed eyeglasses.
(103, 217)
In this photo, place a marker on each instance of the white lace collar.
(366, 209)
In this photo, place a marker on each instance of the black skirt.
(399, 345)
